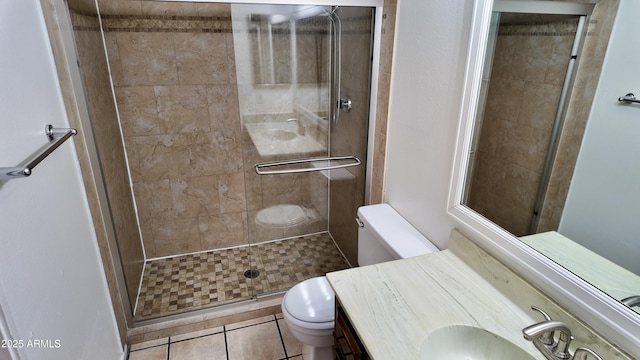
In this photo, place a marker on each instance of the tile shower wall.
(174, 81)
(582, 93)
(528, 70)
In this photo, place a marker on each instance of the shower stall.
(231, 140)
(516, 179)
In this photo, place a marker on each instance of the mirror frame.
(614, 321)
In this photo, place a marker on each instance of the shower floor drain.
(251, 274)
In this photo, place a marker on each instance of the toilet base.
(317, 353)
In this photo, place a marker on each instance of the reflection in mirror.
(270, 49)
(528, 78)
(537, 90)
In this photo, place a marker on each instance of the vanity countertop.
(606, 275)
(395, 305)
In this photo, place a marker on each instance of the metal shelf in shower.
(316, 164)
(56, 137)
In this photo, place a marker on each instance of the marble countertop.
(606, 275)
(395, 305)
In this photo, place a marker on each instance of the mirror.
(589, 224)
(527, 137)
(270, 49)
(280, 33)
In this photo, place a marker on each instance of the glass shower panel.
(287, 62)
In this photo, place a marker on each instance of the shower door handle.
(345, 104)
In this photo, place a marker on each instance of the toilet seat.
(282, 215)
(310, 304)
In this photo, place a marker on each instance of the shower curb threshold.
(179, 324)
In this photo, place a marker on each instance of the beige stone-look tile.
(149, 344)
(253, 184)
(210, 9)
(216, 152)
(120, 7)
(154, 353)
(197, 334)
(250, 322)
(224, 110)
(168, 8)
(147, 58)
(163, 156)
(284, 189)
(113, 57)
(291, 344)
(231, 190)
(206, 347)
(250, 155)
(539, 105)
(201, 58)
(176, 237)
(258, 233)
(132, 157)
(154, 200)
(197, 194)
(264, 339)
(231, 59)
(502, 90)
(223, 230)
(138, 110)
(182, 108)
(146, 232)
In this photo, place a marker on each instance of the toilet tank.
(384, 235)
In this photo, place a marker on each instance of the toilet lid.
(311, 301)
(281, 215)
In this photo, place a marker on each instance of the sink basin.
(457, 342)
(282, 135)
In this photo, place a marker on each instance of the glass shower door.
(288, 64)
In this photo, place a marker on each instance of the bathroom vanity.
(396, 307)
(347, 344)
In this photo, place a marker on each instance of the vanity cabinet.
(346, 344)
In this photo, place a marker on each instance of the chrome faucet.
(542, 336)
(631, 301)
(301, 129)
(582, 353)
(555, 350)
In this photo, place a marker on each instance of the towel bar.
(259, 167)
(56, 137)
(629, 98)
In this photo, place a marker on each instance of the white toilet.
(308, 307)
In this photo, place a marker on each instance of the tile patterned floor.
(190, 282)
(266, 338)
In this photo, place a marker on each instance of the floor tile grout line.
(246, 326)
(197, 337)
(146, 348)
(286, 355)
(226, 345)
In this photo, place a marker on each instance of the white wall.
(428, 72)
(603, 203)
(52, 286)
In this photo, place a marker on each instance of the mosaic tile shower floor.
(190, 282)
